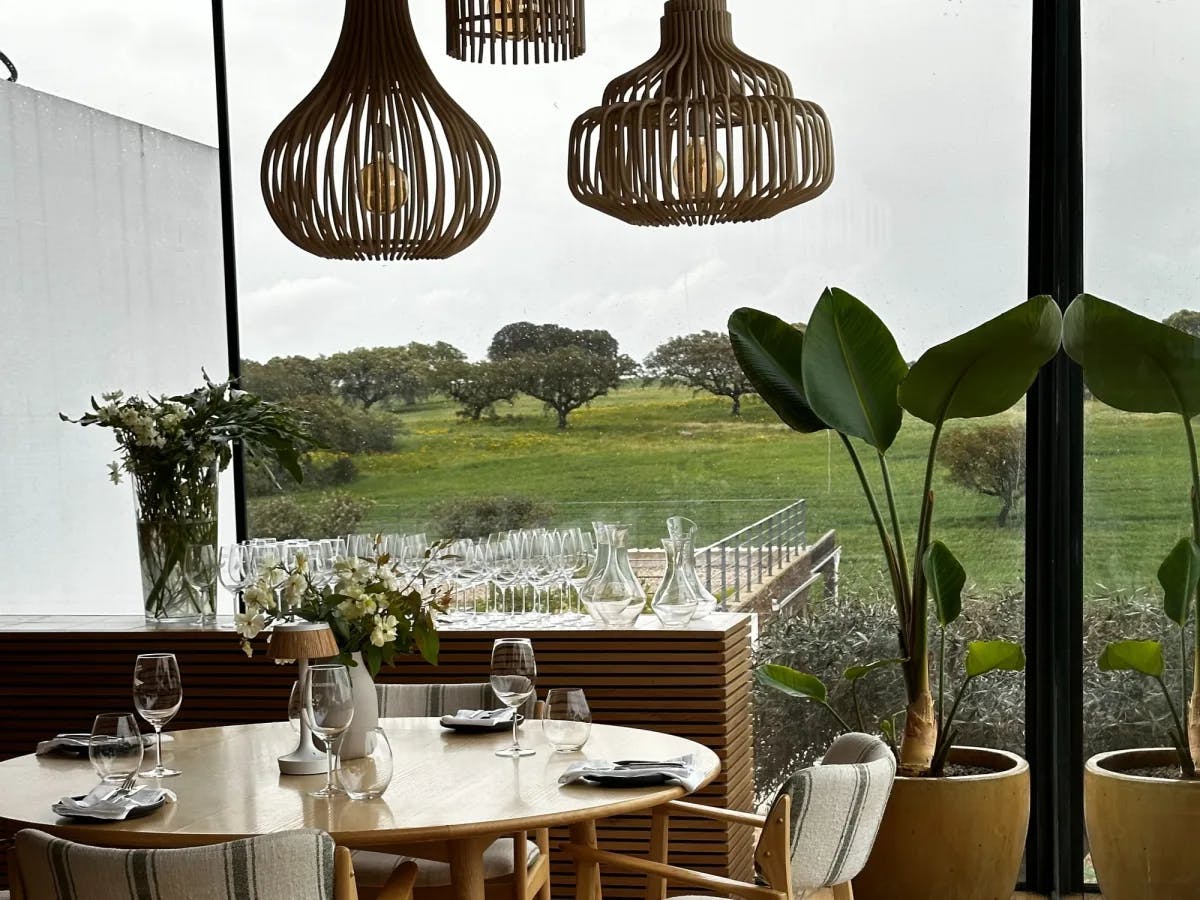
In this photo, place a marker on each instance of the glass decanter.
(613, 594)
(675, 602)
(683, 530)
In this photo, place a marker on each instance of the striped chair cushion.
(372, 869)
(403, 700)
(836, 810)
(290, 865)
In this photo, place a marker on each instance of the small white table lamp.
(303, 641)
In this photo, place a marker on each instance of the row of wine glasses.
(115, 748)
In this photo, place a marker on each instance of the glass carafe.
(675, 602)
(684, 530)
(613, 592)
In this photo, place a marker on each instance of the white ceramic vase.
(366, 711)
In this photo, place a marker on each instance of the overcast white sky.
(926, 220)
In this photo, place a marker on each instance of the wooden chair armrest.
(713, 812)
(674, 874)
(399, 885)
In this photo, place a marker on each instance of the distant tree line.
(565, 368)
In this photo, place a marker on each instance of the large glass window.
(926, 222)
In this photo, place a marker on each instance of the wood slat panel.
(696, 684)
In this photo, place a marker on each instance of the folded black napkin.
(105, 803)
(681, 770)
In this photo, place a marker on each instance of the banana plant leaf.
(988, 656)
(770, 352)
(1133, 656)
(1179, 576)
(987, 369)
(946, 578)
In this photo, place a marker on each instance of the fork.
(123, 788)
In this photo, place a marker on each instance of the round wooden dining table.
(449, 791)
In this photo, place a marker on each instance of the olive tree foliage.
(522, 338)
(990, 460)
(371, 375)
(703, 361)
(1187, 320)
(478, 387)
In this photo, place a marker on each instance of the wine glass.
(199, 570)
(115, 746)
(157, 696)
(234, 569)
(512, 677)
(328, 710)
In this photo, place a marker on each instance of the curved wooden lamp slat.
(378, 161)
(699, 134)
(515, 31)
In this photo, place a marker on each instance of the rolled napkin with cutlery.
(479, 719)
(681, 770)
(112, 804)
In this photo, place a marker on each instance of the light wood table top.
(446, 787)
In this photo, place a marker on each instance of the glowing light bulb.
(695, 169)
(511, 17)
(382, 185)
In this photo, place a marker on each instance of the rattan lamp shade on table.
(701, 133)
(302, 641)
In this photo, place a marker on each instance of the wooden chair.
(522, 852)
(817, 834)
(289, 865)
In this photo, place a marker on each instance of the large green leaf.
(1179, 575)
(946, 578)
(852, 369)
(853, 673)
(986, 370)
(788, 681)
(769, 350)
(987, 656)
(1131, 362)
(1133, 656)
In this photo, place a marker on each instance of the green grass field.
(642, 454)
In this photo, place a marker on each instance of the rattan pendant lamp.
(514, 31)
(378, 161)
(699, 134)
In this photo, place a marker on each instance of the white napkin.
(478, 717)
(77, 744)
(113, 808)
(681, 770)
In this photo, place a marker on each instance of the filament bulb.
(382, 185)
(511, 18)
(695, 169)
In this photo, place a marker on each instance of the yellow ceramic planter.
(1142, 831)
(952, 838)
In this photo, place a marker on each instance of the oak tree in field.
(988, 459)
(284, 378)
(478, 387)
(372, 375)
(563, 367)
(704, 362)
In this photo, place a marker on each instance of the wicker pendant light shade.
(699, 134)
(378, 161)
(514, 31)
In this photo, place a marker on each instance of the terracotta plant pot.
(959, 838)
(1142, 831)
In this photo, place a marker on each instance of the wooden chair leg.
(520, 865)
(542, 839)
(843, 891)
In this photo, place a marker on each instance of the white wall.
(110, 277)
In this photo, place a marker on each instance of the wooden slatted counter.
(60, 671)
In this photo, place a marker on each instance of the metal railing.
(750, 556)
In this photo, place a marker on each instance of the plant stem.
(889, 551)
(857, 709)
(1193, 746)
(1181, 740)
(944, 732)
(896, 532)
(833, 712)
(942, 682)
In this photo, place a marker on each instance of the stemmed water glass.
(234, 569)
(157, 696)
(328, 710)
(513, 674)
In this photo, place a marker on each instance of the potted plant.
(1141, 806)
(843, 372)
(172, 448)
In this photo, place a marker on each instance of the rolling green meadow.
(641, 454)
